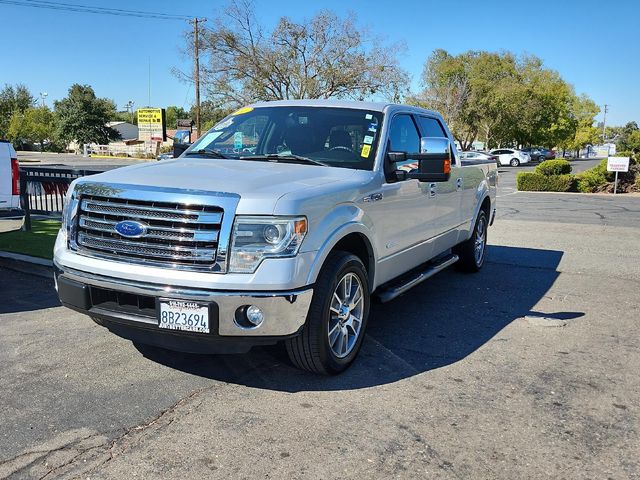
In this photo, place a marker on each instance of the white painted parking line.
(507, 194)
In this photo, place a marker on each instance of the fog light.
(254, 315)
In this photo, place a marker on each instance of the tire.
(542, 159)
(470, 261)
(514, 162)
(313, 350)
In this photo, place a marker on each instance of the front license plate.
(182, 315)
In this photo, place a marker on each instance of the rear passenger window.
(431, 127)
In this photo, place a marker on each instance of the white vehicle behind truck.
(278, 225)
(11, 215)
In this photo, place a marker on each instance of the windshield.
(336, 137)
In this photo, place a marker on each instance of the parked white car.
(11, 215)
(509, 156)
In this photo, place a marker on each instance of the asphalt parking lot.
(529, 369)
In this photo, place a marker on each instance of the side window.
(431, 127)
(404, 137)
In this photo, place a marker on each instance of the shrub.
(624, 153)
(536, 182)
(638, 182)
(554, 167)
(591, 180)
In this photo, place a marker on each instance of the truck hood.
(259, 184)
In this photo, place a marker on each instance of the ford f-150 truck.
(280, 224)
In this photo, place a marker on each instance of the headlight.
(257, 238)
(69, 209)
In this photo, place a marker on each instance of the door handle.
(459, 183)
(432, 190)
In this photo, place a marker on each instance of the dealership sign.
(152, 124)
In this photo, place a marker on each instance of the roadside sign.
(151, 124)
(617, 164)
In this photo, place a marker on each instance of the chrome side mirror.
(434, 160)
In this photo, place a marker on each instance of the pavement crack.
(87, 453)
(134, 435)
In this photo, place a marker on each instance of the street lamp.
(43, 95)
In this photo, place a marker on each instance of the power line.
(77, 8)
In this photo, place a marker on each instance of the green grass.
(36, 243)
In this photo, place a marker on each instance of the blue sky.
(594, 45)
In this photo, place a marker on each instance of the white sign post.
(617, 164)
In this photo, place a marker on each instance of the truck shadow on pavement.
(437, 323)
(25, 293)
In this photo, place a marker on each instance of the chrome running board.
(410, 280)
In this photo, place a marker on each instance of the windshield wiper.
(274, 157)
(205, 153)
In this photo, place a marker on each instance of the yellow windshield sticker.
(243, 110)
(366, 149)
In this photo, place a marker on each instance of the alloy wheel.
(345, 315)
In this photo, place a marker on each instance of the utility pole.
(604, 127)
(196, 68)
(129, 106)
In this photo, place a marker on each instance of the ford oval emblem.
(130, 228)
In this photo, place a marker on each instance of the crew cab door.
(403, 212)
(448, 194)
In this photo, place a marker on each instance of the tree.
(323, 57)
(626, 134)
(498, 98)
(35, 125)
(633, 140)
(12, 100)
(124, 116)
(211, 112)
(174, 114)
(583, 113)
(82, 117)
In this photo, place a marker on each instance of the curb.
(594, 194)
(122, 158)
(40, 267)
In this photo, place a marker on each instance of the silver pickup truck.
(280, 224)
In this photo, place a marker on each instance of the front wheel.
(472, 252)
(514, 162)
(542, 159)
(337, 317)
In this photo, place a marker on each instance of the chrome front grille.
(180, 235)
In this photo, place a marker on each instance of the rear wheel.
(542, 158)
(337, 317)
(514, 162)
(472, 252)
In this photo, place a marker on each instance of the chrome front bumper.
(285, 312)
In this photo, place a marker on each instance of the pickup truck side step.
(411, 280)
